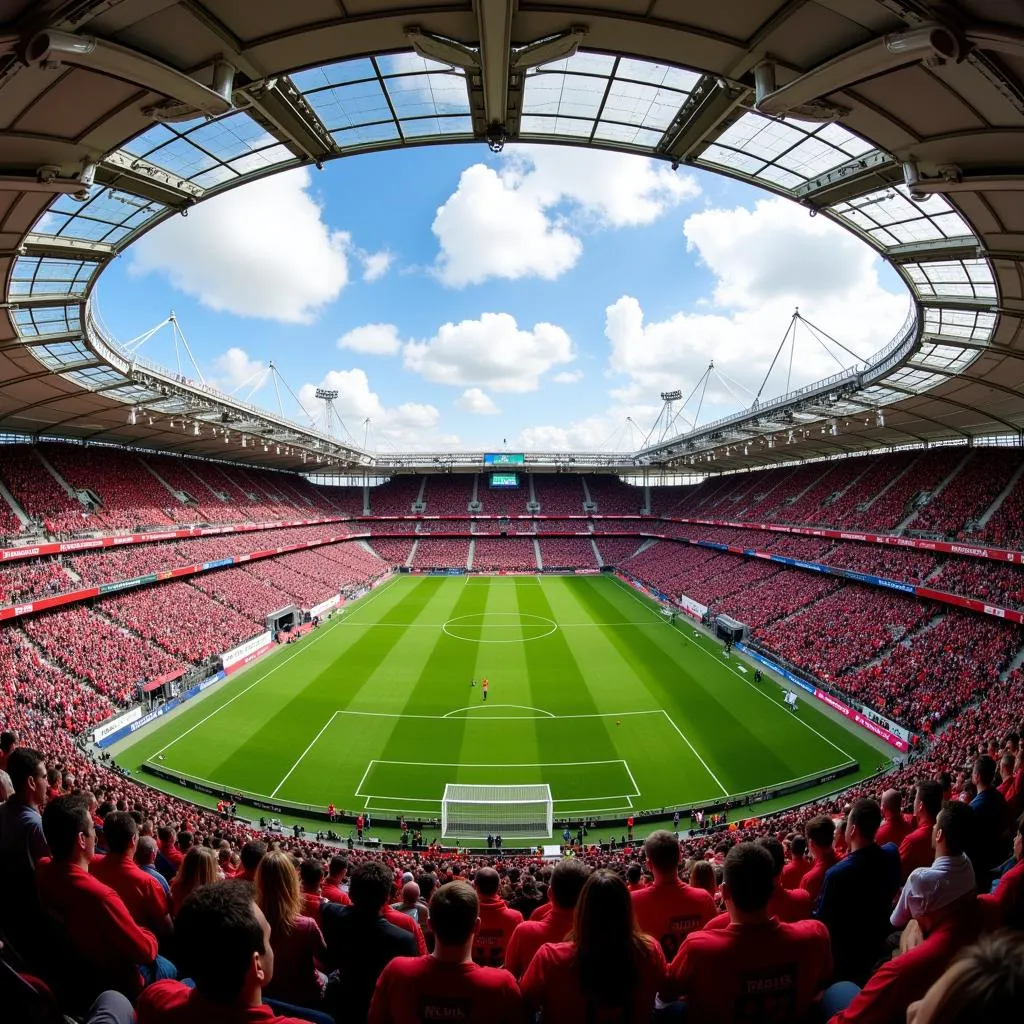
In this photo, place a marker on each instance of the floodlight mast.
(328, 396)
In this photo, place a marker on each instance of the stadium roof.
(904, 125)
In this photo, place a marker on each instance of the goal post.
(476, 811)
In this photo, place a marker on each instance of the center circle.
(499, 627)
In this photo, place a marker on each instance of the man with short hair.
(567, 880)
(990, 821)
(226, 950)
(447, 984)
(669, 909)
(335, 888)
(895, 827)
(857, 894)
(168, 856)
(785, 904)
(145, 858)
(758, 968)
(143, 896)
(497, 920)
(251, 854)
(820, 834)
(940, 913)
(311, 877)
(8, 742)
(108, 947)
(411, 905)
(1003, 907)
(916, 850)
(797, 864)
(360, 942)
(22, 843)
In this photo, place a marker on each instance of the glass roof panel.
(891, 217)
(956, 278)
(39, 275)
(382, 99)
(192, 149)
(95, 377)
(107, 216)
(62, 354)
(959, 323)
(33, 321)
(945, 357)
(623, 99)
(801, 149)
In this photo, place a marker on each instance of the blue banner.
(217, 564)
(785, 673)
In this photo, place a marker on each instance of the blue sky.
(537, 298)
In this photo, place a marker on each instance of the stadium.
(731, 699)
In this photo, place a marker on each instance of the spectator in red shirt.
(142, 895)
(669, 909)
(296, 939)
(334, 889)
(635, 878)
(497, 921)
(797, 865)
(104, 948)
(447, 984)
(169, 857)
(252, 853)
(567, 881)
(1004, 906)
(311, 878)
(785, 904)
(820, 833)
(916, 850)
(608, 971)
(895, 827)
(225, 940)
(759, 968)
(986, 983)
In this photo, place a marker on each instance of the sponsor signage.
(691, 607)
(244, 652)
(325, 606)
(111, 726)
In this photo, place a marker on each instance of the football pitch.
(591, 691)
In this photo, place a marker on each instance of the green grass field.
(591, 692)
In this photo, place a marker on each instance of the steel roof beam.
(127, 173)
(963, 247)
(704, 113)
(61, 248)
(494, 23)
(279, 106)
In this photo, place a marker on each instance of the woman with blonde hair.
(295, 939)
(199, 867)
(607, 968)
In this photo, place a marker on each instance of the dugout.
(284, 619)
(729, 629)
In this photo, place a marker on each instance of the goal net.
(474, 812)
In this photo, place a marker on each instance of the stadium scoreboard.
(504, 480)
(504, 459)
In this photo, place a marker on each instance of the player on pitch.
(484, 686)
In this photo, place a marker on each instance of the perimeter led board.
(504, 480)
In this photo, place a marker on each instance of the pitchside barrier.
(651, 814)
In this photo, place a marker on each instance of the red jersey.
(497, 923)
(405, 922)
(793, 873)
(142, 894)
(335, 894)
(669, 911)
(97, 923)
(171, 1002)
(812, 881)
(551, 985)
(411, 990)
(531, 935)
(787, 905)
(311, 902)
(899, 982)
(894, 830)
(997, 906)
(916, 850)
(765, 972)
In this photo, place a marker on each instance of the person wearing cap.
(939, 912)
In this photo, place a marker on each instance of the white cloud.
(234, 368)
(765, 262)
(478, 402)
(516, 223)
(490, 352)
(568, 377)
(376, 264)
(488, 230)
(372, 339)
(261, 251)
(409, 425)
